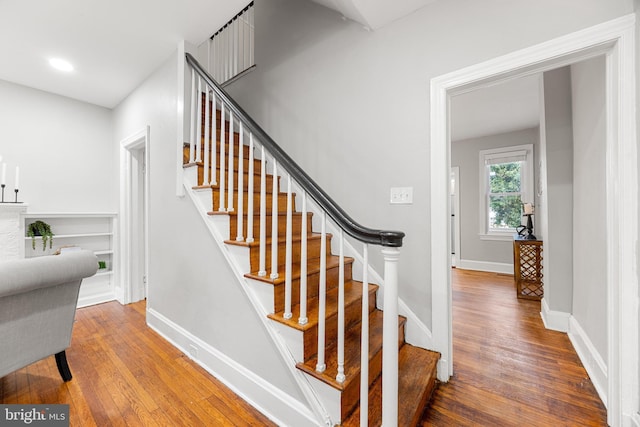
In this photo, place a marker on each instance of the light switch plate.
(401, 195)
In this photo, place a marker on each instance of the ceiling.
(114, 45)
(374, 14)
(505, 107)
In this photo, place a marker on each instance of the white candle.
(528, 209)
(17, 177)
(4, 174)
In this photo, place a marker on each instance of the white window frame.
(526, 181)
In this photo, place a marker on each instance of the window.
(506, 181)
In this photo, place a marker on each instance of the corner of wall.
(554, 320)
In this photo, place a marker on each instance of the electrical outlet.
(401, 195)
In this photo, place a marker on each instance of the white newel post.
(12, 230)
(390, 339)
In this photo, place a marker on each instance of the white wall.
(63, 148)
(589, 201)
(190, 282)
(465, 154)
(558, 243)
(352, 106)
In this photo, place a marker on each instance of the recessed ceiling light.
(61, 64)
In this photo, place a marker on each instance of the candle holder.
(3, 185)
(16, 201)
(530, 235)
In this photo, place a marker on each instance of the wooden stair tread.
(313, 266)
(416, 383)
(352, 294)
(282, 214)
(352, 357)
(256, 242)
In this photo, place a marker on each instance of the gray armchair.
(38, 298)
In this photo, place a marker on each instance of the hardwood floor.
(508, 369)
(126, 374)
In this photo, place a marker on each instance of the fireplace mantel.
(12, 230)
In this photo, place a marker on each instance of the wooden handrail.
(364, 234)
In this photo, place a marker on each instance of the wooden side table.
(527, 266)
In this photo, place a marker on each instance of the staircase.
(308, 290)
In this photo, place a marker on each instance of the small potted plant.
(40, 229)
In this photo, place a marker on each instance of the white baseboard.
(633, 420)
(277, 405)
(95, 299)
(554, 320)
(492, 267)
(590, 358)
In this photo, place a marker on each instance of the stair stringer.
(215, 224)
(416, 332)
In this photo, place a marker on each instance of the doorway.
(615, 39)
(134, 167)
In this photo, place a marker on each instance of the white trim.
(590, 358)
(139, 140)
(455, 189)
(278, 406)
(506, 236)
(554, 320)
(616, 40)
(491, 267)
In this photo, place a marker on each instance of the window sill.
(503, 237)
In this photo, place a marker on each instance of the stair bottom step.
(416, 383)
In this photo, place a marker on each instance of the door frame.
(130, 204)
(455, 188)
(616, 40)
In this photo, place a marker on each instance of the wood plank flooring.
(126, 374)
(508, 369)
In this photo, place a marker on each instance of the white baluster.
(231, 160)
(243, 42)
(214, 139)
(322, 294)
(390, 338)
(364, 342)
(303, 320)
(288, 255)
(217, 56)
(250, 192)
(199, 124)
(228, 55)
(205, 175)
(221, 182)
(274, 223)
(263, 214)
(251, 28)
(209, 55)
(236, 51)
(194, 117)
(240, 213)
(340, 377)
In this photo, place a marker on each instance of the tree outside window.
(505, 195)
